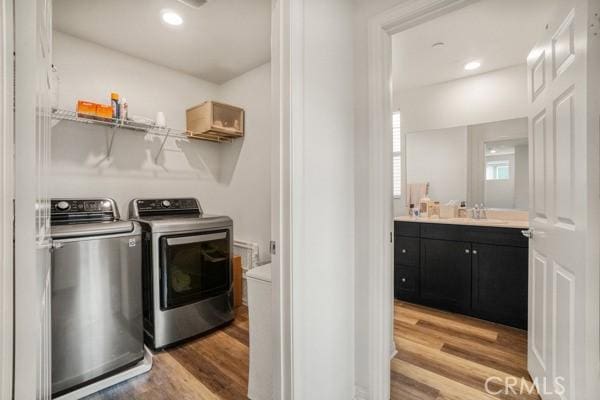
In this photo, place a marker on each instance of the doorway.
(381, 28)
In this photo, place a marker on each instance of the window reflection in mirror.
(506, 171)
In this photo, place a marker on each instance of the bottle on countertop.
(424, 207)
(462, 210)
(123, 109)
(114, 102)
(435, 210)
(411, 210)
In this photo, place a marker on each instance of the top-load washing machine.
(97, 327)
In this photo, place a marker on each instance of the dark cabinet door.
(446, 274)
(500, 284)
(406, 251)
(406, 283)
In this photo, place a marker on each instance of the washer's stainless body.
(171, 227)
(97, 325)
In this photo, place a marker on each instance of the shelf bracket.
(162, 146)
(112, 139)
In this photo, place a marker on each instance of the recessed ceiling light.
(470, 66)
(493, 151)
(172, 18)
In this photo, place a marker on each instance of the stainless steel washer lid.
(184, 223)
(91, 229)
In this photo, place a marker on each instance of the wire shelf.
(147, 128)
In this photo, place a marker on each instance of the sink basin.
(474, 221)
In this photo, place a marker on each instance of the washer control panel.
(83, 210)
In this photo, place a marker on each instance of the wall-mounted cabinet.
(212, 117)
(478, 271)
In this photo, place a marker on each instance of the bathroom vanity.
(470, 267)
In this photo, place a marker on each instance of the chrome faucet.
(479, 212)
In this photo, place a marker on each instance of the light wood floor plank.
(455, 355)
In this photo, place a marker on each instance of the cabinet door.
(446, 274)
(406, 251)
(500, 284)
(406, 283)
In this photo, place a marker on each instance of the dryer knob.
(63, 205)
(166, 203)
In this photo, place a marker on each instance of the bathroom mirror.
(484, 163)
(506, 170)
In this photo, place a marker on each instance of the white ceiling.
(216, 42)
(499, 33)
(504, 147)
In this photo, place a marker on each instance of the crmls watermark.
(514, 386)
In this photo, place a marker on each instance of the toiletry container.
(424, 206)
(448, 211)
(462, 211)
(114, 102)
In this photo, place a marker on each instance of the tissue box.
(448, 211)
(104, 111)
(86, 109)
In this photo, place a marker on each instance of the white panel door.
(561, 207)
(33, 65)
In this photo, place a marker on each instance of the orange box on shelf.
(86, 108)
(103, 111)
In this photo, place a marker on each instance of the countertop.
(497, 223)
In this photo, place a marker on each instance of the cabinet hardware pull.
(404, 250)
(528, 233)
(467, 251)
(403, 280)
(474, 251)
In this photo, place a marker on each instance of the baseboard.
(360, 393)
(140, 368)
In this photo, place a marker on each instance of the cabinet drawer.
(406, 228)
(406, 251)
(474, 234)
(406, 282)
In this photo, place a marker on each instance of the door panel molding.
(563, 46)
(563, 324)
(539, 314)
(538, 76)
(538, 144)
(564, 169)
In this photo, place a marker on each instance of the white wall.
(440, 158)
(229, 179)
(322, 200)
(244, 188)
(522, 177)
(493, 96)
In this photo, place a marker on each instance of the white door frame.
(280, 199)
(287, 99)
(381, 216)
(6, 199)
